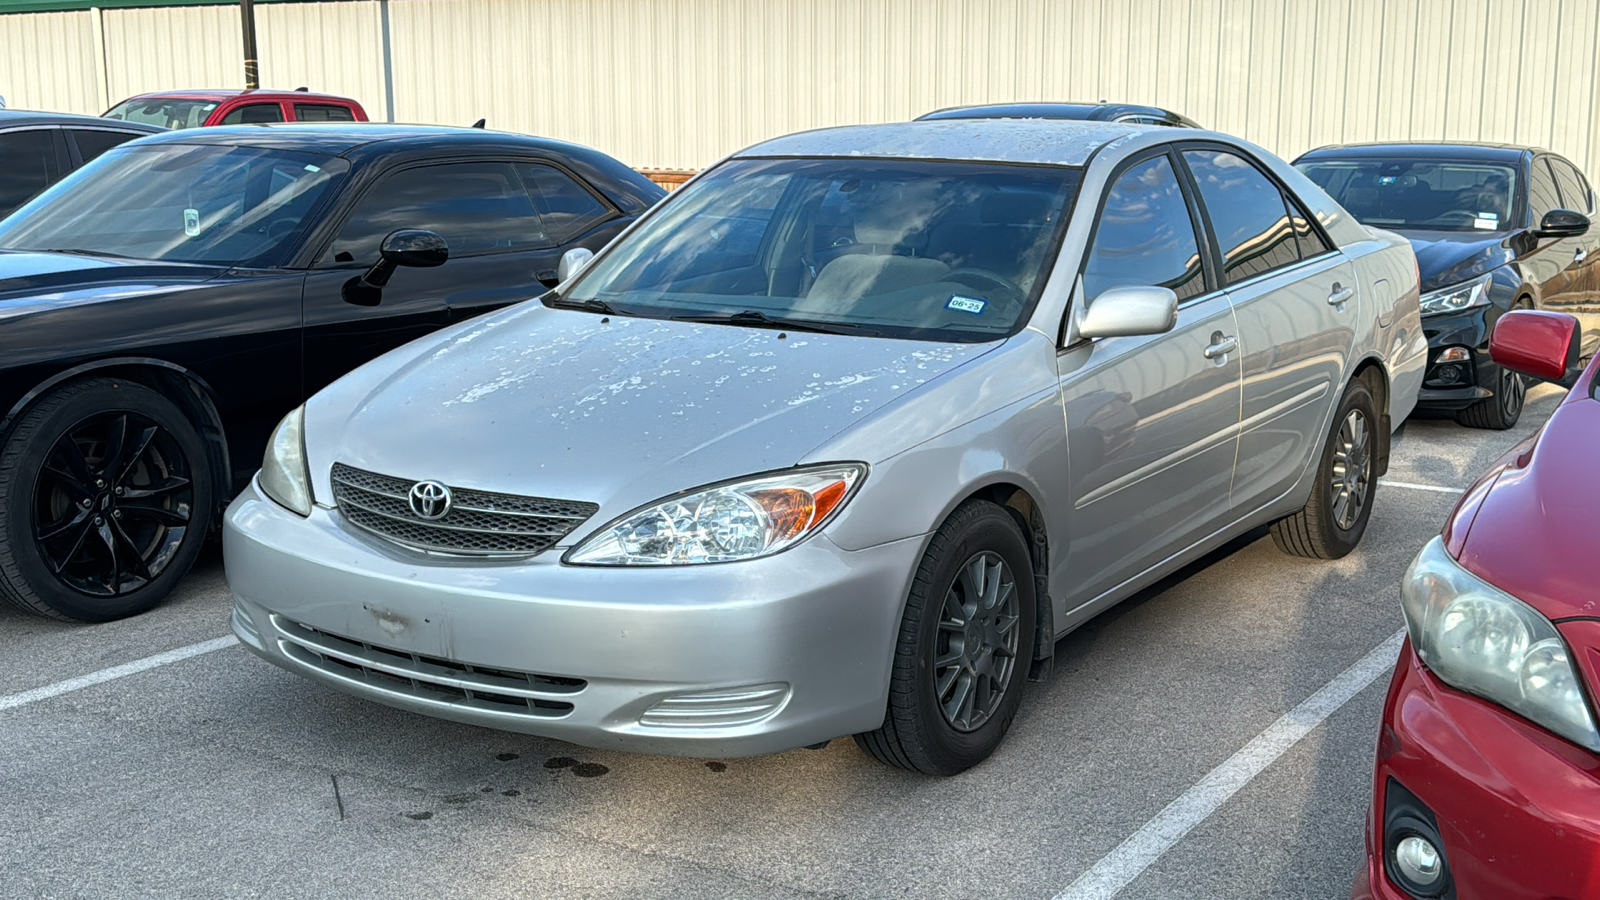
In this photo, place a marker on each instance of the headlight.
(1482, 640)
(738, 520)
(1456, 298)
(284, 476)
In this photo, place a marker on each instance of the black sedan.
(1495, 227)
(1096, 112)
(164, 306)
(37, 149)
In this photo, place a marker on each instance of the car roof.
(1054, 110)
(359, 139)
(12, 118)
(1057, 142)
(220, 94)
(1485, 152)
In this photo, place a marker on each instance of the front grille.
(427, 677)
(479, 523)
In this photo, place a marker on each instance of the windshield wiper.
(76, 252)
(594, 305)
(758, 319)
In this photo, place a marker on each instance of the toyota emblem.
(430, 500)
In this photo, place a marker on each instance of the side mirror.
(411, 247)
(1128, 311)
(1562, 223)
(571, 262)
(1544, 345)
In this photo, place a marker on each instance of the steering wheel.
(1455, 213)
(993, 284)
(277, 228)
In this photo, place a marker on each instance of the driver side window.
(1145, 235)
(477, 207)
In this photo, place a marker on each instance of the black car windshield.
(906, 248)
(164, 111)
(1420, 194)
(199, 203)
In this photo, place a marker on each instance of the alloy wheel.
(1352, 469)
(975, 652)
(112, 503)
(1512, 391)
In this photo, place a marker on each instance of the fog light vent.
(725, 708)
(1414, 855)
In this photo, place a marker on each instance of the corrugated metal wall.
(678, 83)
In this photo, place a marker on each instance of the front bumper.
(722, 660)
(1516, 807)
(1475, 379)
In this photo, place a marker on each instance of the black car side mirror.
(407, 247)
(1562, 223)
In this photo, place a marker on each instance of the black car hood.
(1451, 257)
(29, 278)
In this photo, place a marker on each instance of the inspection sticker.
(1486, 221)
(966, 304)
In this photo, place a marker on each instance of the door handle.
(1340, 295)
(1221, 345)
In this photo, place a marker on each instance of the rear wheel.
(104, 488)
(1331, 523)
(962, 654)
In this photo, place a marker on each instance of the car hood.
(1533, 535)
(611, 410)
(1445, 258)
(31, 280)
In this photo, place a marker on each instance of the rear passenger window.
(1247, 213)
(1542, 194)
(254, 114)
(1145, 235)
(567, 207)
(477, 208)
(322, 112)
(93, 143)
(1311, 241)
(1574, 195)
(27, 166)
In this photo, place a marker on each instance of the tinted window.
(254, 114)
(1145, 235)
(1574, 194)
(1422, 194)
(27, 164)
(164, 112)
(322, 112)
(1247, 213)
(476, 207)
(1542, 194)
(1310, 239)
(567, 207)
(93, 143)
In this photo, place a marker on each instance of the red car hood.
(1536, 531)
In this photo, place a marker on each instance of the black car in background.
(1097, 112)
(1495, 227)
(37, 149)
(162, 308)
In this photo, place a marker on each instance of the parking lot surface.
(209, 773)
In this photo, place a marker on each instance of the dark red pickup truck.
(192, 109)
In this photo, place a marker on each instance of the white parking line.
(1413, 486)
(1106, 878)
(12, 701)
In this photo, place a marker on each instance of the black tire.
(919, 732)
(1327, 527)
(1501, 411)
(98, 521)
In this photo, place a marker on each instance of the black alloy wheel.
(976, 653)
(1351, 470)
(105, 500)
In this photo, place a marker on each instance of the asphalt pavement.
(218, 775)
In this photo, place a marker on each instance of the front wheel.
(963, 649)
(104, 499)
(1331, 523)
(1501, 411)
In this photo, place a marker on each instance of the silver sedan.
(839, 440)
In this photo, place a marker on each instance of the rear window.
(323, 112)
(1419, 194)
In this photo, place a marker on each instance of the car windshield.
(203, 203)
(1420, 194)
(163, 111)
(928, 250)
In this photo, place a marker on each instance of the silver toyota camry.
(839, 440)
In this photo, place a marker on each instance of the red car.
(1487, 784)
(192, 109)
